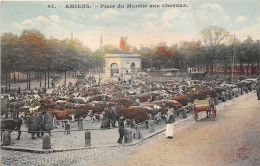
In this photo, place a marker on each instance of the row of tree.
(217, 48)
(31, 51)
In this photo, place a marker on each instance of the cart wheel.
(213, 112)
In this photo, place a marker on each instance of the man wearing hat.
(33, 125)
(121, 127)
(40, 124)
(106, 118)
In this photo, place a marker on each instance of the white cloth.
(169, 130)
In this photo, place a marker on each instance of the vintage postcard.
(107, 82)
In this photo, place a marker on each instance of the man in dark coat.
(121, 129)
(106, 119)
(33, 125)
(47, 122)
(40, 124)
(113, 116)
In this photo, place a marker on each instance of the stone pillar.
(128, 136)
(137, 132)
(6, 138)
(87, 138)
(80, 124)
(46, 142)
(151, 126)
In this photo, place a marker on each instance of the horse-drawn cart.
(204, 105)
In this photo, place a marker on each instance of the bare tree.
(212, 37)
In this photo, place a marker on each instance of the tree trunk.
(40, 79)
(45, 78)
(9, 82)
(190, 70)
(48, 77)
(247, 70)
(257, 67)
(225, 69)
(18, 79)
(65, 78)
(241, 69)
(6, 80)
(252, 70)
(14, 77)
(29, 80)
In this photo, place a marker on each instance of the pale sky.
(144, 26)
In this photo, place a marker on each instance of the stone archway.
(132, 67)
(114, 70)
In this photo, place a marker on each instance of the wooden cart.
(204, 105)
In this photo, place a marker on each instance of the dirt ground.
(233, 139)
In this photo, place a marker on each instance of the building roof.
(117, 51)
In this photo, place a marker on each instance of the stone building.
(121, 65)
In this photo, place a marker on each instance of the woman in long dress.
(169, 124)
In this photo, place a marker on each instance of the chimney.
(122, 44)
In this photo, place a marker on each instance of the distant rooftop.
(117, 51)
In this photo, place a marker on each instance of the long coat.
(47, 122)
(121, 125)
(106, 120)
(112, 116)
(33, 124)
(170, 119)
(39, 122)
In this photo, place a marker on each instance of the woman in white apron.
(169, 124)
